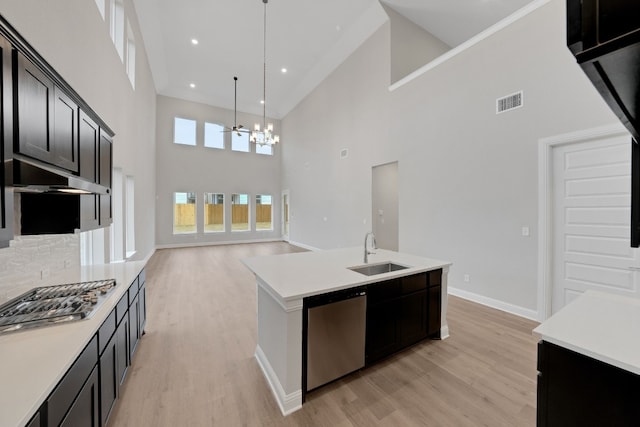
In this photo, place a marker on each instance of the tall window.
(239, 212)
(100, 4)
(130, 220)
(213, 212)
(240, 143)
(184, 213)
(184, 131)
(213, 136)
(117, 26)
(264, 212)
(131, 56)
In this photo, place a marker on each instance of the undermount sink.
(379, 268)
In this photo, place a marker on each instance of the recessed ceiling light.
(284, 70)
(194, 41)
(192, 85)
(262, 101)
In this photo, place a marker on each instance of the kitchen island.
(283, 283)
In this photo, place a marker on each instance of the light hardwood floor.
(195, 365)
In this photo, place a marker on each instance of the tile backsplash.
(30, 258)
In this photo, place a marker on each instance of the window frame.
(224, 216)
(175, 130)
(195, 213)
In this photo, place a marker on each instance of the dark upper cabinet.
(34, 115)
(105, 177)
(65, 131)
(46, 118)
(88, 135)
(6, 146)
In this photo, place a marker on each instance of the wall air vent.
(509, 102)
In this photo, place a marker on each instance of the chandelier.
(264, 135)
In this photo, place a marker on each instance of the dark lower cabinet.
(142, 312)
(88, 392)
(577, 390)
(134, 331)
(122, 349)
(85, 410)
(434, 310)
(65, 396)
(109, 380)
(402, 312)
(413, 318)
(35, 420)
(383, 332)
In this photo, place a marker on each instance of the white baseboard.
(288, 403)
(303, 246)
(494, 303)
(216, 243)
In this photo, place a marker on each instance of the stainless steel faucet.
(366, 251)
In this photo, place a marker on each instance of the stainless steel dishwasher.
(335, 336)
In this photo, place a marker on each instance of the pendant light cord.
(264, 70)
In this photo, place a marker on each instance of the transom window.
(241, 142)
(184, 131)
(265, 149)
(213, 136)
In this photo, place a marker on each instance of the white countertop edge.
(594, 355)
(591, 325)
(337, 274)
(74, 336)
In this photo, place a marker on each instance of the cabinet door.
(35, 111)
(6, 144)
(434, 310)
(104, 177)
(88, 142)
(84, 411)
(65, 131)
(134, 331)
(35, 420)
(109, 381)
(413, 318)
(122, 349)
(142, 310)
(383, 333)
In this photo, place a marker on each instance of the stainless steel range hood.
(32, 176)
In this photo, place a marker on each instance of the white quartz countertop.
(603, 326)
(298, 275)
(32, 362)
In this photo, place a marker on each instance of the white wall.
(411, 45)
(184, 168)
(74, 39)
(467, 177)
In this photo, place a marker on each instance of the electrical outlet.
(525, 231)
(466, 278)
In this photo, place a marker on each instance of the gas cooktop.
(51, 305)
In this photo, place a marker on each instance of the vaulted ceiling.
(308, 38)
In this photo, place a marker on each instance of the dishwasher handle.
(335, 296)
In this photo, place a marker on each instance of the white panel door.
(591, 224)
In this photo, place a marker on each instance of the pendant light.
(264, 136)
